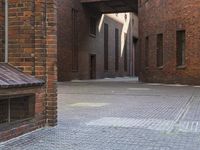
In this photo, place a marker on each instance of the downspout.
(6, 31)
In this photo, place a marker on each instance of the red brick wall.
(86, 44)
(14, 130)
(33, 49)
(157, 16)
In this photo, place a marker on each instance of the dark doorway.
(92, 66)
(136, 57)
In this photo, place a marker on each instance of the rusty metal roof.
(10, 77)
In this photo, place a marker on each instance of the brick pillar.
(33, 47)
(51, 62)
(40, 44)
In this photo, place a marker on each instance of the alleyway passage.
(120, 115)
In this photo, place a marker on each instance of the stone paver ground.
(119, 114)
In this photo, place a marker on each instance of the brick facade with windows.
(85, 39)
(179, 23)
(32, 48)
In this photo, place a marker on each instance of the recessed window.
(147, 52)
(116, 49)
(16, 109)
(93, 24)
(180, 53)
(125, 54)
(133, 22)
(159, 50)
(106, 28)
(74, 40)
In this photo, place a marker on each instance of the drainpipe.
(6, 31)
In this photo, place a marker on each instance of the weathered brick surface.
(88, 44)
(33, 49)
(167, 17)
(14, 130)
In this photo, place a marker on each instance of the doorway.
(92, 66)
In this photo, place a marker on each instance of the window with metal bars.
(180, 52)
(74, 40)
(160, 50)
(17, 108)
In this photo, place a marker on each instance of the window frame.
(106, 47)
(93, 21)
(125, 52)
(116, 49)
(29, 97)
(160, 50)
(75, 54)
(180, 48)
(146, 52)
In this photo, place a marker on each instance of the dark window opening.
(125, 54)
(3, 111)
(116, 49)
(159, 50)
(74, 40)
(16, 109)
(93, 24)
(106, 47)
(147, 52)
(180, 54)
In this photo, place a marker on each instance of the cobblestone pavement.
(120, 115)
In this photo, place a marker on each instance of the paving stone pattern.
(119, 116)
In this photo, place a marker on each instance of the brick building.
(28, 51)
(95, 45)
(169, 40)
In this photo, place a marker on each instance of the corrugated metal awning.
(10, 77)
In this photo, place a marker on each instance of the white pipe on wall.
(6, 31)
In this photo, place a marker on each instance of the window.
(147, 52)
(74, 40)
(93, 23)
(116, 49)
(159, 50)
(125, 54)
(106, 46)
(180, 54)
(16, 109)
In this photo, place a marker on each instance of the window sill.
(181, 67)
(16, 124)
